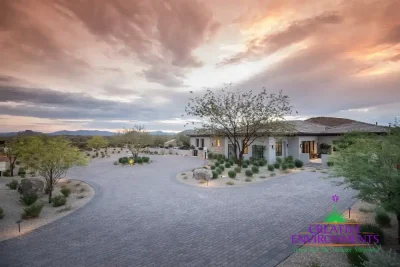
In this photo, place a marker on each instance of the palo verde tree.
(13, 151)
(370, 164)
(51, 157)
(243, 117)
(97, 142)
(136, 139)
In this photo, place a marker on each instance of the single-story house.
(304, 143)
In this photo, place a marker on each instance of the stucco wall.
(294, 147)
(3, 166)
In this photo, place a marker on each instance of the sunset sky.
(102, 64)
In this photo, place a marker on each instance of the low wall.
(305, 157)
(325, 159)
(169, 151)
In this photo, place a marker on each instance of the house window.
(197, 142)
(218, 142)
(246, 148)
(257, 151)
(202, 142)
(278, 149)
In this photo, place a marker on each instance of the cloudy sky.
(100, 64)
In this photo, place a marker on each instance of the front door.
(231, 151)
(308, 147)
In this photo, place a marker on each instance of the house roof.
(356, 126)
(329, 121)
(3, 159)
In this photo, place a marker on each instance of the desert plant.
(289, 159)
(13, 184)
(215, 174)
(382, 218)
(21, 171)
(227, 165)
(29, 198)
(116, 163)
(2, 213)
(139, 160)
(272, 174)
(210, 155)
(247, 180)
(298, 163)
(59, 201)
(230, 183)
(216, 164)
(291, 165)
(218, 170)
(232, 174)
(330, 163)
(279, 160)
(82, 190)
(285, 166)
(238, 170)
(222, 167)
(249, 173)
(271, 168)
(255, 169)
(356, 258)
(262, 162)
(256, 163)
(245, 165)
(277, 165)
(213, 167)
(383, 258)
(65, 191)
(370, 228)
(33, 210)
(146, 159)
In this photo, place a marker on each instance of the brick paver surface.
(142, 216)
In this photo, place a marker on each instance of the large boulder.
(202, 174)
(31, 185)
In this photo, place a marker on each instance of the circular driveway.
(142, 216)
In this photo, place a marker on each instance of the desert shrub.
(227, 165)
(1, 213)
(232, 162)
(139, 160)
(210, 155)
(93, 157)
(329, 163)
(213, 167)
(97, 154)
(277, 165)
(247, 180)
(382, 218)
(215, 174)
(289, 159)
(87, 155)
(245, 165)
(21, 171)
(33, 210)
(13, 184)
(279, 160)
(29, 198)
(238, 170)
(17, 162)
(222, 167)
(216, 164)
(291, 165)
(115, 162)
(65, 191)
(356, 258)
(59, 201)
(262, 162)
(247, 161)
(383, 258)
(123, 160)
(230, 183)
(272, 174)
(232, 174)
(298, 163)
(271, 168)
(285, 166)
(370, 228)
(255, 169)
(218, 170)
(249, 173)
(6, 173)
(256, 163)
(262, 177)
(146, 159)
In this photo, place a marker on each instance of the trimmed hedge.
(227, 165)
(249, 173)
(271, 168)
(238, 170)
(215, 174)
(59, 201)
(232, 174)
(285, 166)
(277, 165)
(255, 169)
(291, 165)
(213, 167)
(298, 163)
(33, 210)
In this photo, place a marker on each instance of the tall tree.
(97, 142)
(51, 157)
(13, 151)
(370, 164)
(182, 140)
(243, 117)
(136, 139)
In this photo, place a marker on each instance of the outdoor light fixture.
(301, 145)
(272, 146)
(19, 225)
(287, 145)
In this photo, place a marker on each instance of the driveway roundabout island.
(142, 216)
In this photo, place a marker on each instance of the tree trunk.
(11, 169)
(50, 188)
(398, 227)
(240, 159)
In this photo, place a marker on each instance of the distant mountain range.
(79, 132)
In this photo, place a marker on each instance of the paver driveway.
(142, 216)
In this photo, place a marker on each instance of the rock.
(204, 174)
(31, 185)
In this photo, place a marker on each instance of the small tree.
(13, 151)
(97, 142)
(182, 140)
(136, 139)
(241, 117)
(51, 157)
(371, 165)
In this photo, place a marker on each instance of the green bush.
(245, 165)
(382, 218)
(383, 258)
(21, 171)
(256, 163)
(238, 170)
(216, 164)
(65, 191)
(227, 165)
(215, 174)
(279, 160)
(247, 180)
(218, 170)
(289, 159)
(123, 160)
(6, 173)
(33, 210)
(291, 165)
(13, 184)
(285, 166)
(255, 169)
(221, 161)
(329, 163)
(222, 167)
(213, 167)
(247, 161)
(370, 228)
(139, 160)
(298, 163)
(1, 213)
(249, 173)
(271, 168)
(277, 165)
(356, 258)
(146, 159)
(272, 174)
(232, 174)
(29, 198)
(59, 201)
(210, 155)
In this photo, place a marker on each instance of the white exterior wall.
(294, 147)
(3, 166)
